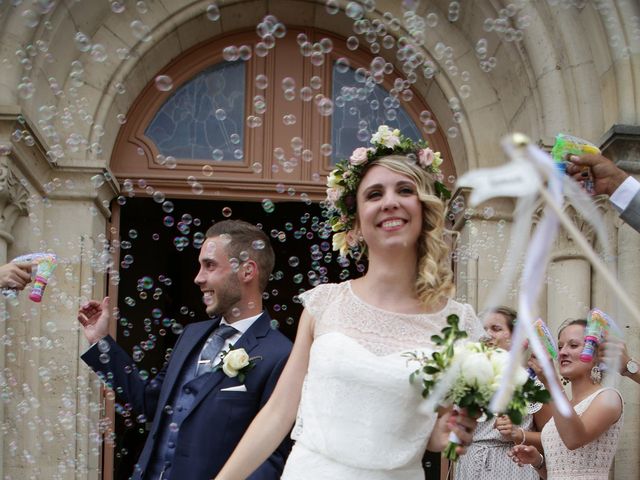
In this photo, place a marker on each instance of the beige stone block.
(609, 97)
(160, 55)
(242, 15)
(293, 12)
(488, 126)
(196, 30)
(338, 24)
(97, 74)
(526, 119)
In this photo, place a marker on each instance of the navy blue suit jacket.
(217, 419)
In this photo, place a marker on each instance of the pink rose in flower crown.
(359, 156)
(425, 157)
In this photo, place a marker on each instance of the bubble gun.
(544, 334)
(566, 145)
(45, 263)
(546, 338)
(598, 324)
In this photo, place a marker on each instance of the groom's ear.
(248, 271)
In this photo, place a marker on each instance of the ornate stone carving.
(13, 200)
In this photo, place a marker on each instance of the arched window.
(246, 128)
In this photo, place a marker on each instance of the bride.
(357, 414)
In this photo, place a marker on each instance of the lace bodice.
(359, 417)
(336, 308)
(589, 462)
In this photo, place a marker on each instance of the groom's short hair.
(245, 237)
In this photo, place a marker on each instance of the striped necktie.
(212, 347)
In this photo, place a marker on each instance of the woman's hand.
(525, 455)
(506, 428)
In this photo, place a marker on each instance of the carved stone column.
(569, 276)
(622, 145)
(13, 203)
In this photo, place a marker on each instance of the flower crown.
(343, 181)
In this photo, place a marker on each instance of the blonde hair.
(434, 279)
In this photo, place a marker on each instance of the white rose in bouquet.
(477, 370)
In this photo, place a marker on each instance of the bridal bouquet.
(467, 375)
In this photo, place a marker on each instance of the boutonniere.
(236, 363)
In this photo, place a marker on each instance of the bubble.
(213, 12)
(170, 162)
(288, 83)
(230, 53)
(315, 82)
(430, 126)
(256, 167)
(221, 114)
(99, 53)
(26, 89)
(353, 43)
(325, 107)
(452, 132)
(235, 138)
(258, 244)
(268, 206)
(262, 82)
(82, 41)
(317, 59)
(227, 212)
(331, 7)
(168, 221)
(140, 30)
(164, 83)
(354, 11)
(133, 233)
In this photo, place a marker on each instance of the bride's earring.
(596, 374)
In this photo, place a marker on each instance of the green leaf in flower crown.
(438, 340)
(442, 191)
(453, 320)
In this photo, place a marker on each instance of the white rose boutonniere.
(236, 363)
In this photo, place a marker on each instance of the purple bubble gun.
(597, 328)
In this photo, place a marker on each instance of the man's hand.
(15, 275)
(607, 177)
(94, 318)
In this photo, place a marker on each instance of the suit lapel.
(249, 340)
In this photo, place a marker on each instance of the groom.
(198, 411)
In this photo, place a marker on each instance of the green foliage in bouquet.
(473, 372)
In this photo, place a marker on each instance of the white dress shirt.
(242, 326)
(623, 195)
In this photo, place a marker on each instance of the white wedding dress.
(359, 417)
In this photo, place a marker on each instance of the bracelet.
(524, 435)
(541, 463)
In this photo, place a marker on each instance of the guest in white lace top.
(346, 384)
(584, 444)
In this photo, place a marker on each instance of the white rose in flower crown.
(359, 156)
(477, 369)
(385, 136)
(234, 361)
